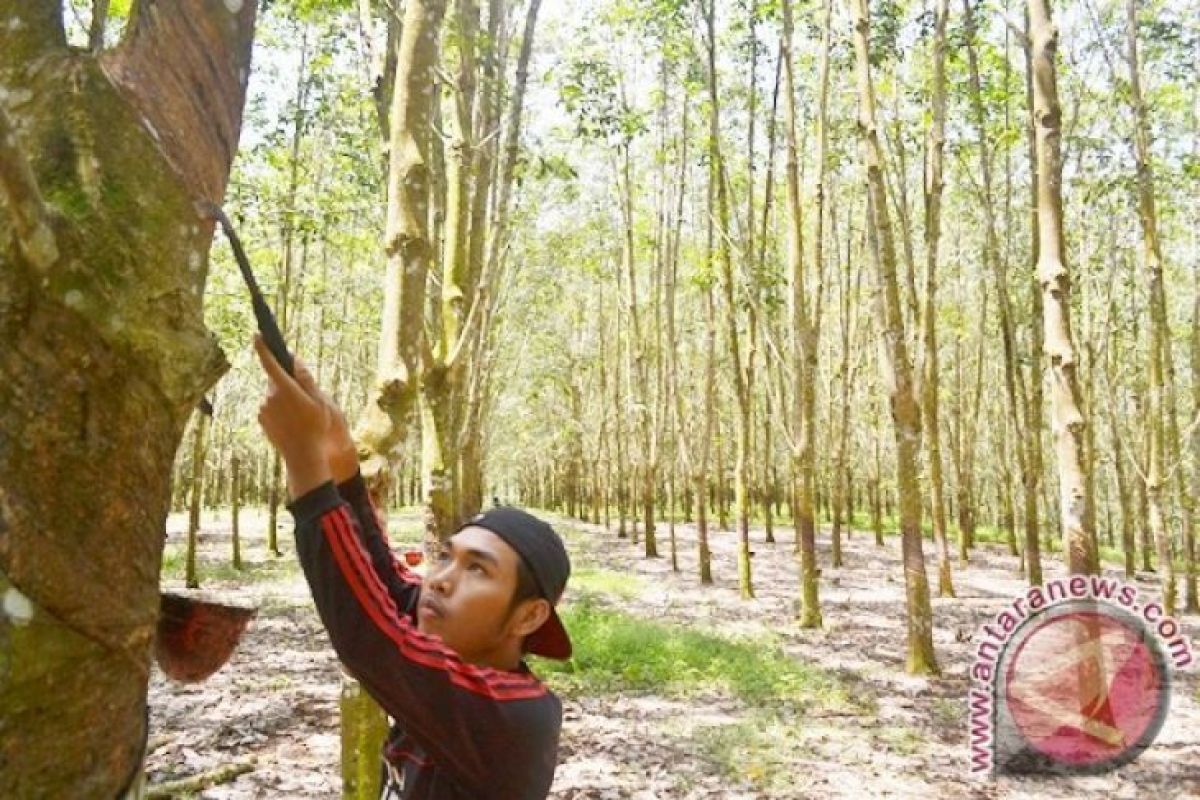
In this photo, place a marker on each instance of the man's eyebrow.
(482, 555)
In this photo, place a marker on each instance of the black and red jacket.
(461, 730)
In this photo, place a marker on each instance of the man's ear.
(529, 616)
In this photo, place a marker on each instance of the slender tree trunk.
(741, 380)
(235, 496)
(701, 477)
(1066, 404)
(906, 412)
(1164, 428)
(804, 344)
(196, 492)
(1014, 380)
(364, 729)
(847, 370)
(933, 221)
(1128, 545)
(409, 245)
(1190, 550)
(408, 242)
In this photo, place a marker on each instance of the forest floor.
(680, 691)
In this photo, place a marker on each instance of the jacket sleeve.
(402, 584)
(493, 731)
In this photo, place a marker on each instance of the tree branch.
(19, 189)
(1018, 31)
(99, 23)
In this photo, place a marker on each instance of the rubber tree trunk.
(1066, 409)
(364, 729)
(1014, 378)
(408, 242)
(933, 222)
(717, 174)
(196, 494)
(235, 497)
(1161, 390)
(103, 261)
(906, 412)
(1191, 553)
(804, 344)
(409, 247)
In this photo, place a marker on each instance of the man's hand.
(297, 421)
(341, 454)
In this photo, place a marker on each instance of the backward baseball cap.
(542, 550)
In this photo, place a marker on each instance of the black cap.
(544, 554)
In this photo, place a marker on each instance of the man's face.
(465, 597)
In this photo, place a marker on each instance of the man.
(442, 657)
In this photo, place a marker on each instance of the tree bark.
(196, 492)
(1066, 408)
(804, 344)
(408, 242)
(906, 412)
(933, 220)
(725, 255)
(103, 160)
(1164, 427)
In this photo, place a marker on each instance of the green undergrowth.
(595, 580)
(269, 569)
(763, 747)
(759, 750)
(617, 652)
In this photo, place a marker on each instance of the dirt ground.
(276, 701)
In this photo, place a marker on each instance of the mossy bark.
(102, 267)
(364, 729)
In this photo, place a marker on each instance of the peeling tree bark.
(105, 356)
(408, 242)
(1066, 408)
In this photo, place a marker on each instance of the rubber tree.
(933, 230)
(1066, 408)
(1019, 408)
(1164, 425)
(408, 242)
(718, 175)
(804, 348)
(105, 156)
(896, 364)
